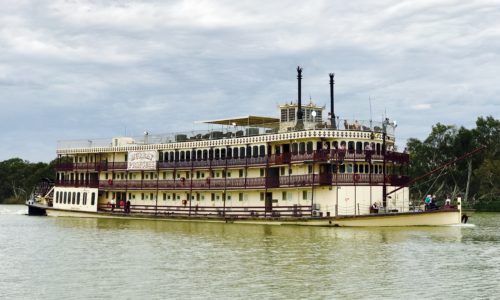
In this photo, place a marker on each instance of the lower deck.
(442, 217)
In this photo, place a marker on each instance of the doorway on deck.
(269, 202)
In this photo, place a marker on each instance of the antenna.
(371, 118)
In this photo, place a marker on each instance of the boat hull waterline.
(428, 218)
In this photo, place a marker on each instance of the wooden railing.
(254, 183)
(193, 209)
(77, 183)
(275, 159)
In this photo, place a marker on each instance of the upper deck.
(232, 134)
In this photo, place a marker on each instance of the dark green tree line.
(476, 178)
(18, 178)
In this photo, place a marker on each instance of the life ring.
(356, 177)
(110, 181)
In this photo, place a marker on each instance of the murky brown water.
(57, 258)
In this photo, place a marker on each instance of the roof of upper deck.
(249, 121)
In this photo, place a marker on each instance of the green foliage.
(476, 179)
(18, 178)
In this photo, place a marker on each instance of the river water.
(69, 258)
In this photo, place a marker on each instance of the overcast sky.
(95, 69)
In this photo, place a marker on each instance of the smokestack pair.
(300, 123)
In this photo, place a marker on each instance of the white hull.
(433, 218)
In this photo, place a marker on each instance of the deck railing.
(275, 159)
(253, 182)
(227, 132)
(194, 209)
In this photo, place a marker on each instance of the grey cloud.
(89, 69)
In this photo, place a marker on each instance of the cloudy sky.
(95, 69)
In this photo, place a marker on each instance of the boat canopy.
(248, 121)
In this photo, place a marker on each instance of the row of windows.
(288, 115)
(344, 168)
(186, 175)
(257, 151)
(286, 195)
(217, 153)
(260, 151)
(74, 198)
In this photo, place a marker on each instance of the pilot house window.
(283, 115)
(291, 114)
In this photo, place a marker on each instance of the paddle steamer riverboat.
(305, 167)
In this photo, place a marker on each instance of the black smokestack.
(299, 80)
(300, 124)
(332, 110)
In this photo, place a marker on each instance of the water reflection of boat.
(298, 169)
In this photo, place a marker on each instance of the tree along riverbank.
(476, 179)
(18, 178)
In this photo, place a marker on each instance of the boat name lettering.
(141, 160)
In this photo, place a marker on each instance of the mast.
(384, 187)
(332, 110)
(300, 122)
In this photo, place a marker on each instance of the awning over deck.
(249, 121)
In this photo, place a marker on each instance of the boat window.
(262, 151)
(84, 200)
(295, 148)
(217, 153)
(302, 148)
(255, 151)
(309, 147)
(318, 116)
(342, 168)
(359, 147)
(57, 197)
(74, 198)
(308, 115)
(335, 144)
(199, 155)
(229, 152)
(235, 152)
(188, 155)
(350, 146)
(284, 115)
(92, 201)
(222, 153)
(78, 198)
(291, 114)
(242, 152)
(182, 156)
(356, 168)
(211, 154)
(249, 151)
(65, 195)
(349, 168)
(378, 148)
(205, 154)
(277, 149)
(171, 156)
